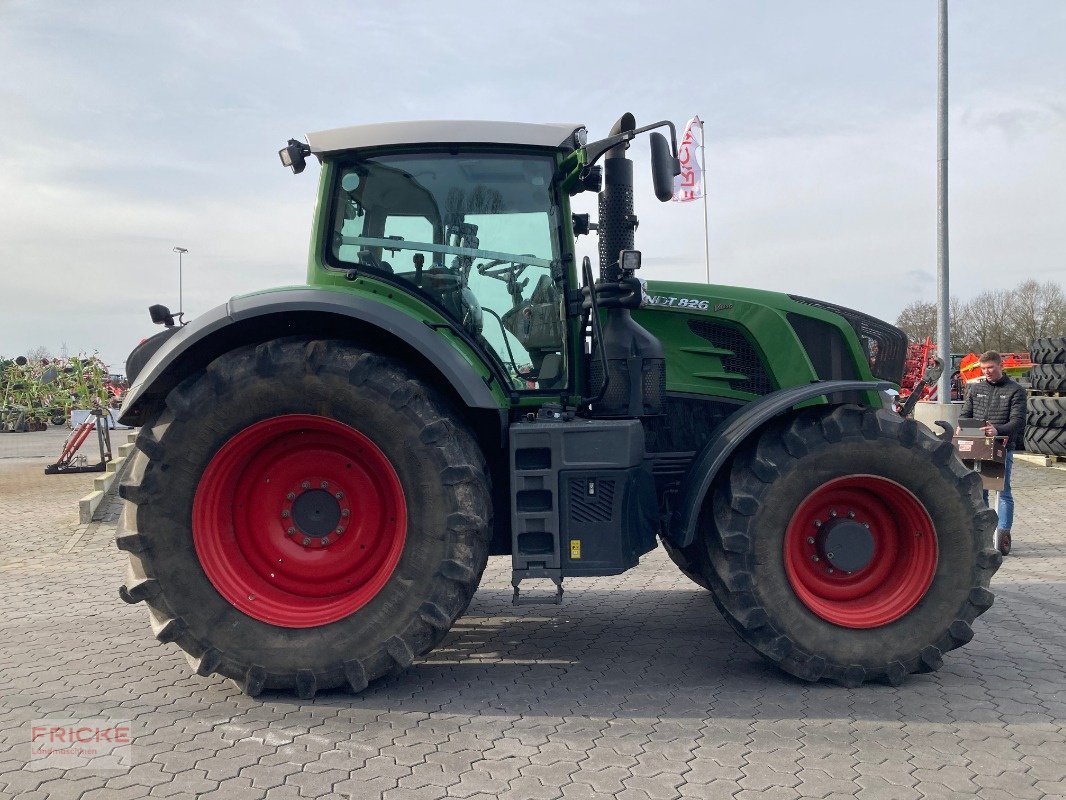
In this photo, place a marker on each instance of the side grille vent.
(744, 360)
(591, 499)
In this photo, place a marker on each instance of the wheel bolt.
(290, 496)
(306, 484)
(851, 515)
(810, 540)
(832, 513)
(285, 512)
(345, 512)
(339, 495)
(830, 570)
(325, 540)
(866, 524)
(817, 523)
(815, 558)
(306, 541)
(828, 555)
(324, 485)
(340, 530)
(290, 531)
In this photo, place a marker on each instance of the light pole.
(180, 251)
(943, 295)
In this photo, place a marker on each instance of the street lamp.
(180, 251)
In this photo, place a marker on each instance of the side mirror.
(161, 315)
(294, 155)
(664, 167)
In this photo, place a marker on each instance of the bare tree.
(987, 317)
(39, 353)
(1007, 320)
(1038, 311)
(963, 331)
(918, 320)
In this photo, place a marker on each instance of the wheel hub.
(315, 513)
(860, 551)
(299, 520)
(848, 545)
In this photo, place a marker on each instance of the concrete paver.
(634, 688)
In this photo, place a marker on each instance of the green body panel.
(694, 365)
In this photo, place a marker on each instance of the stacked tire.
(1045, 424)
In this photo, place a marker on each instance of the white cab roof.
(441, 132)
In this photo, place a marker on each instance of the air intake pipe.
(635, 381)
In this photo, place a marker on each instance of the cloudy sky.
(129, 128)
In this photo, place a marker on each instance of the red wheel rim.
(299, 520)
(902, 560)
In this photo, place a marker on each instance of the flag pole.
(706, 228)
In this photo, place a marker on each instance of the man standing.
(999, 402)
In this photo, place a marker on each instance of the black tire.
(1047, 441)
(1048, 378)
(690, 560)
(1046, 412)
(768, 485)
(446, 500)
(1049, 351)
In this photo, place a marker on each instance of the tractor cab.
(473, 232)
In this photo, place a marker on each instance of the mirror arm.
(594, 151)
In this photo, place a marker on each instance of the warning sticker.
(965, 446)
(575, 549)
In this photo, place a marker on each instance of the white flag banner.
(689, 184)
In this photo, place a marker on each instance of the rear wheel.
(304, 515)
(850, 546)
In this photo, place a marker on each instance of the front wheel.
(304, 515)
(851, 545)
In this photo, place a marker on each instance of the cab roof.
(558, 135)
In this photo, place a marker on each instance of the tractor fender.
(734, 430)
(284, 312)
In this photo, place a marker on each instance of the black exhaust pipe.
(635, 382)
(618, 222)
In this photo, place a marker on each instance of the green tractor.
(322, 471)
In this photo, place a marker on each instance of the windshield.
(475, 232)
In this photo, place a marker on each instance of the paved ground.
(635, 688)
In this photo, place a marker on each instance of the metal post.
(943, 329)
(180, 251)
(706, 229)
